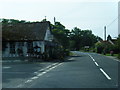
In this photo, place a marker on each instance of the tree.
(109, 38)
(75, 38)
(81, 38)
(61, 34)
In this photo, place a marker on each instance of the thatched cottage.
(28, 39)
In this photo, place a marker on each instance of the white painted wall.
(40, 44)
(24, 48)
(48, 35)
(42, 47)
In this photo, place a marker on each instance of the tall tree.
(61, 34)
(81, 38)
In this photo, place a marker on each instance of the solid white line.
(96, 64)
(105, 74)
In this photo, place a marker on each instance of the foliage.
(80, 38)
(75, 39)
(118, 45)
(104, 47)
(109, 38)
(6, 22)
(61, 34)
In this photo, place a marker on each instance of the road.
(82, 70)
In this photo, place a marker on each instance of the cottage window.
(12, 48)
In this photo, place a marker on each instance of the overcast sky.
(92, 15)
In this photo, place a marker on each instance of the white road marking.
(93, 60)
(28, 81)
(53, 67)
(96, 64)
(42, 73)
(108, 77)
(19, 85)
(35, 72)
(105, 74)
(54, 63)
(6, 67)
(48, 69)
(39, 74)
(92, 57)
(34, 77)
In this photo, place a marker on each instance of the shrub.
(119, 55)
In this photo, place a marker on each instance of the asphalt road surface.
(82, 70)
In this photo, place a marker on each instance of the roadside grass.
(71, 54)
(114, 55)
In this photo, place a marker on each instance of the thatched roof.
(27, 31)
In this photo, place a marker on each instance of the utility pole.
(105, 33)
(54, 20)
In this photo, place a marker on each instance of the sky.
(84, 14)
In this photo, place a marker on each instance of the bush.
(66, 52)
(119, 55)
(105, 47)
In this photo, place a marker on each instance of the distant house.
(28, 39)
(106, 46)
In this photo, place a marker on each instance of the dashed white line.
(105, 74)
(96, 64)
(92, 58)
(42, 73)
(48, 67)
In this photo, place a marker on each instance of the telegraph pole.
(54, 20)
(105, 33)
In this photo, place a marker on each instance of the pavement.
(83, 70)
